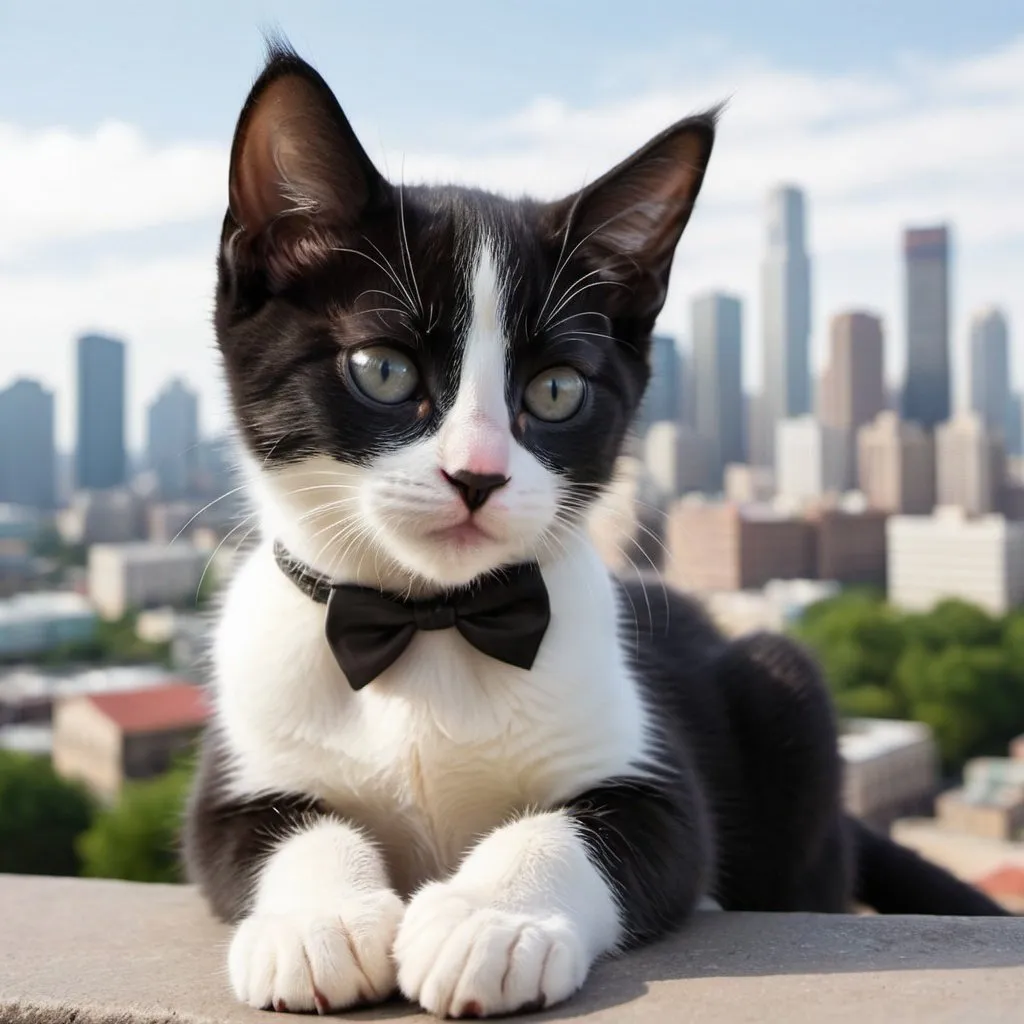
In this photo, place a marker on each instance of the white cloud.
(56, 185)
(924, 142)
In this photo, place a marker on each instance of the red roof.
(156, 708)
(1005, 881)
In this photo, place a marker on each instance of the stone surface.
(95, 952)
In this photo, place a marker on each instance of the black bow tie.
(504, 615)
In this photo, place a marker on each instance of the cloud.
(925, 141)
(57, 185)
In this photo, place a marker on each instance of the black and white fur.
(472, 833)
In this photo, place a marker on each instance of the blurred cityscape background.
(832, 443)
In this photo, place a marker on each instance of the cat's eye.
(555, 395)
(384, 374)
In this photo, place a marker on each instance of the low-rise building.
(775, 607)
(949, 555)
(891, 769)
(102, 740)
(723, 546)
(113, 516)
(132, 577)
(34, 623)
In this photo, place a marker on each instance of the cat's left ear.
(627, 223)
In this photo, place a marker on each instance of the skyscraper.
(28, 459)
(896, 465)
(989, 370)
(853, 388)
(661, 400)
(970, 465)
(786, 309)
(173, 435)
(719, 404)
(926, 389)
(100, 456)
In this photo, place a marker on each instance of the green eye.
(555, 395)
(384, 374)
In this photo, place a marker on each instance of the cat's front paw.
(323, 960)
(459, 957)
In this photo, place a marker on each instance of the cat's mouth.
(465, 534)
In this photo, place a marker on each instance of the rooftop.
(172, 706)
(151, 551)
(100, 952)
(866, 738)
(30, 606)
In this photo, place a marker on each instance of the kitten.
(524, 765)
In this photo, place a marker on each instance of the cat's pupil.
(385, 369)
(554, 389)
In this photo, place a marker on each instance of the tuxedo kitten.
(451, 755)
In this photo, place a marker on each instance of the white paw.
(458, 957)
(317, 960)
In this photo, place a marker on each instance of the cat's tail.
(894, 880)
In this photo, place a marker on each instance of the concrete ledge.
(96, 952)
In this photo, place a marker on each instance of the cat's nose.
(475, 488)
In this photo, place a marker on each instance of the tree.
(137, 839)
(41, 816)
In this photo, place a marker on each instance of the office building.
(130, 577)
(810, 459)
(100, 460)
(949, 554)
(173, 436)
(746, 484)
(786, 309)
(970, 465)
(1015, 425)
(103, 517)
(677, 459)
(32, 624)
(105, 739)
(896, 465)
(776, 607)
(926, 388)
(716, 546)
(890, 769)
(850, 546)
(853, 387)
(989, 371)
(28, 457)
(718, 382)
(661, 400)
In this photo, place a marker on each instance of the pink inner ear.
(475, 444)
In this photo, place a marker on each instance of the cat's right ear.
(299, 178)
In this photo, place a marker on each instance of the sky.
(116, 119)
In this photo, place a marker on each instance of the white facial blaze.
(476, 435)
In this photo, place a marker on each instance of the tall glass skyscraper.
(926, 389)
(661, 400)
(100, 456)
(786, 308)
(28, 458)
(171, 448)
(718, 381)
(990, 370)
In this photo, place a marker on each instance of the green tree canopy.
(41, 816)
(956, 667)
(137, 839)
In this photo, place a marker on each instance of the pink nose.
(478, 446)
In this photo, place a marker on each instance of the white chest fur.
(447, 743)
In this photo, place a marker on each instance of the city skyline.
(114, 204)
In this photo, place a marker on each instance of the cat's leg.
(792, 852)
(538, 900)
(316, 917)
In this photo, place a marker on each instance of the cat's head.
(433, 382)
